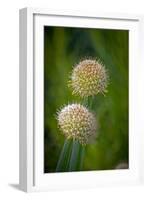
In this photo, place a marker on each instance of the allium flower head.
(89, 78)
(76, 122)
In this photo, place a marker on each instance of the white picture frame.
(31, 175)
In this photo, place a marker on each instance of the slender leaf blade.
(64, 156)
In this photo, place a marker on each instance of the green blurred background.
(63, 48)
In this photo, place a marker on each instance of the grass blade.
(81, 158)
(63, 161)
(77, 155)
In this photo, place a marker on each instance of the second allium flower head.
(76, 122)
(89, 78)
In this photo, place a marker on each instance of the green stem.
(63, 161)
(77, 155)
(85, 101)
(81, 157)
(90, 102)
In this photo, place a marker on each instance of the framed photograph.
(80, 99)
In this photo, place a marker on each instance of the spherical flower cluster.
(89, 78)
(76, 122)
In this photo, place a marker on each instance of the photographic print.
(86, 74)
(80, 103)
